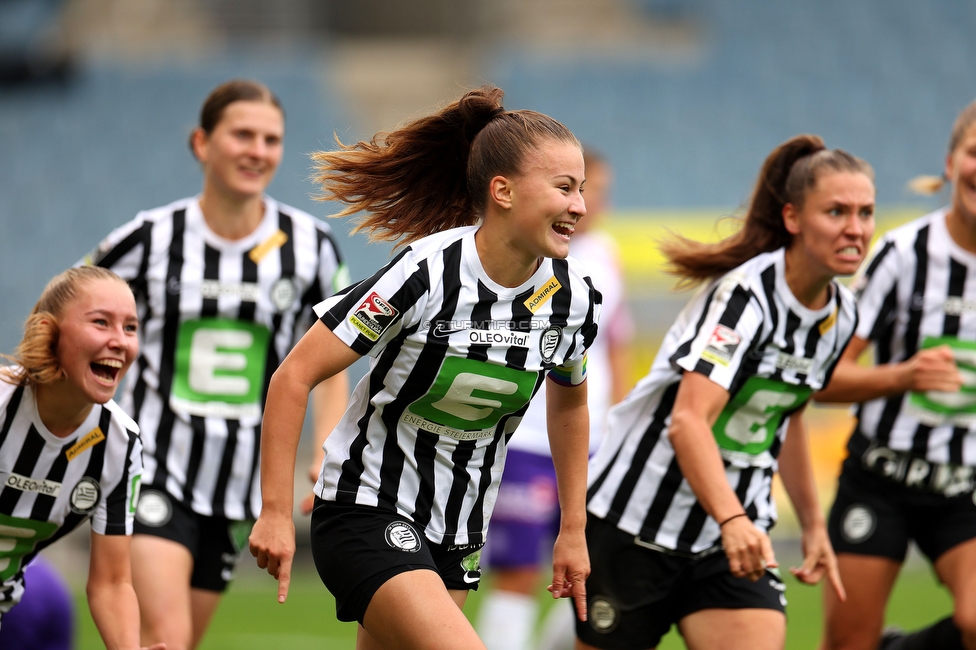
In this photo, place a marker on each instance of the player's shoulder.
(905, 235)
(298, 216)
(121, 418)
(433, 246)
(8, 383)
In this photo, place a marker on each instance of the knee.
(850, 635)
(964, 619)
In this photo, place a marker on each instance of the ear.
(500, 191)
(948, 165)
(791, 219)
(199, 142)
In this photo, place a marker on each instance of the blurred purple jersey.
(44, 619)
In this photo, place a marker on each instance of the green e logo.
(469, 395)
(219, 367)
(749, 421)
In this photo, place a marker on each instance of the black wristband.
(741, 514)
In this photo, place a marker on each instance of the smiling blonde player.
(68, 454)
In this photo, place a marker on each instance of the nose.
(578, 205)
(854, 226)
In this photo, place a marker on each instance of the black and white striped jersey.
(919, 291)
(217, 317)
(749, 334)
(455, 360)
(50, 484)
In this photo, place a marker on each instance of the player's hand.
(819, 560)
(934, 369)
(570, 568)
(749, 551)
(272, 542)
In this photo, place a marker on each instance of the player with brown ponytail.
(478, 309)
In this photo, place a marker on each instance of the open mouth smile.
(106, 370)
(564, 228)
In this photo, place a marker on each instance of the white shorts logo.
(858, 525)
(604, 615)
(402, 535)
(153, 509)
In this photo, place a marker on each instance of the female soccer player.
(910, 470)
(67, 453)
(679, 496)
(225, 283)
(526, 514)
(463, 327)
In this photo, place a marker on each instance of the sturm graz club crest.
(858, 524)
(402, 535)
(604, 614)
(549, 341)
(84, 496)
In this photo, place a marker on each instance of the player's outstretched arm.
(569, 430)
(111, 598)
(318, 356)
(696, 408)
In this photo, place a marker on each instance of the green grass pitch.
(249, 618)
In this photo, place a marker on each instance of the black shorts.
(357, 548)
(215, 543)
(878, 516)
(635, 594)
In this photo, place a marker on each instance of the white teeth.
(850, 250)
(111, 363)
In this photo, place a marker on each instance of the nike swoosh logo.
(443, 332)
(468, 579)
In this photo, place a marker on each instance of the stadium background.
(685, 98)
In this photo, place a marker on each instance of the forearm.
(853, 383)
(796, 472)
(115, 610)
(284, 414)
(330, 399)
(702, 466)
(569, 431)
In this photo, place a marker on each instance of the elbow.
(677, 430)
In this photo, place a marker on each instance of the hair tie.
(741, 514)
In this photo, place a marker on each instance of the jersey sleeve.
(717, 343)
(572, 371)
(876, 289)
(371, 313)
(125, 250)
(116, 512)
(331, 277)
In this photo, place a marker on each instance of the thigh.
(204, 606)
(957, 570)
(857, 622)
(414, 610)
(734, 629)
(161, 571)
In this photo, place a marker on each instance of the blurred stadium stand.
(685, 96)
